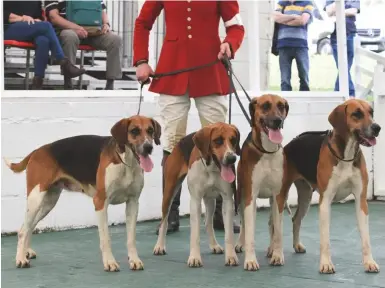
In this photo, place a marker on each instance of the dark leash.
(226, 62)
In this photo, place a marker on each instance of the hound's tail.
(287, 207)
(18, 167)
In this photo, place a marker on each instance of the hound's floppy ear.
(202, 140)
(237, 146)
(252, 111)
(338, 118)
(119, 131)
(157, 131)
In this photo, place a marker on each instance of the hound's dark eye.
(280, 106)
(218, 141)
(371, 113)
(266, 106)
(358, 114)
(135, 131)
(233, 141)
(150, 131)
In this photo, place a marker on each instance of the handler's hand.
(224, 49)
(143, 72)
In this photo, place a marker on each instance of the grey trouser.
(109, 42)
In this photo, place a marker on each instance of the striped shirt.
(294, 36)
(60, 5)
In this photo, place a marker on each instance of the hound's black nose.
(230, 159)
(277, 123)
(147, 148)
(376, 129)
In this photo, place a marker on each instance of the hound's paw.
(277, 258)
(135, 264)
(326, 267)
(216, 249)
(371, 266)
(110, 265)
(194, 261)
(232, 260)
(159, 250)
(31, 254)
(299, 248)
(22, 263)
(251, 264)
(238, 248)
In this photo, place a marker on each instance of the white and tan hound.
(260, 174)
(108, 169)
(207, 157)
(332, 163)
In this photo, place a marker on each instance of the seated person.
(71, 34)
(23, 22)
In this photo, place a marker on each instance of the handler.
(192, 39)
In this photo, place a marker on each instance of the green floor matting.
(72, 259)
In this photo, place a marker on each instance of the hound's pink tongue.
(227, 174)
(275, 136)
(146, 163)
(371, 141)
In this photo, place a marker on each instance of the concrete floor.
(72, 258)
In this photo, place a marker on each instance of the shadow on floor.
(73, 259)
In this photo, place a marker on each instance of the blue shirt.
(294, 36)
(351, 28)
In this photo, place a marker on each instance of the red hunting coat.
(192, 39)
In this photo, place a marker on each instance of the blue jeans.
(350, 49)
(301, 56)
(44, 37)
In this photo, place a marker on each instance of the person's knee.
(43, 27)
(42, 42)
(69, 37)
(115, 41)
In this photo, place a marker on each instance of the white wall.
(28, 123)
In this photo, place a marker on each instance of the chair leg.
(93, 59)
(27, 68)
(81, 66)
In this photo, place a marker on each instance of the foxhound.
(332, 163)
(260, 173)
(207, 157)
(108, 169)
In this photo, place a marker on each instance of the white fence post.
(379, 151)
(342, 48)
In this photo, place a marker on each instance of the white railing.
(366, 64)
(370, 85)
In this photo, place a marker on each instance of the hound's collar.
(330, 133)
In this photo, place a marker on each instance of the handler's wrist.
(140, 62)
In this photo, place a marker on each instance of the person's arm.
(105, 21)
(52, 13)
(279, 17)
(12, 18)
(143, 25)
(353, 8)
(304, 18)
(330, 8)
(235, 31)
(282, 18)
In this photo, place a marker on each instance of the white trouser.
(174, 114)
